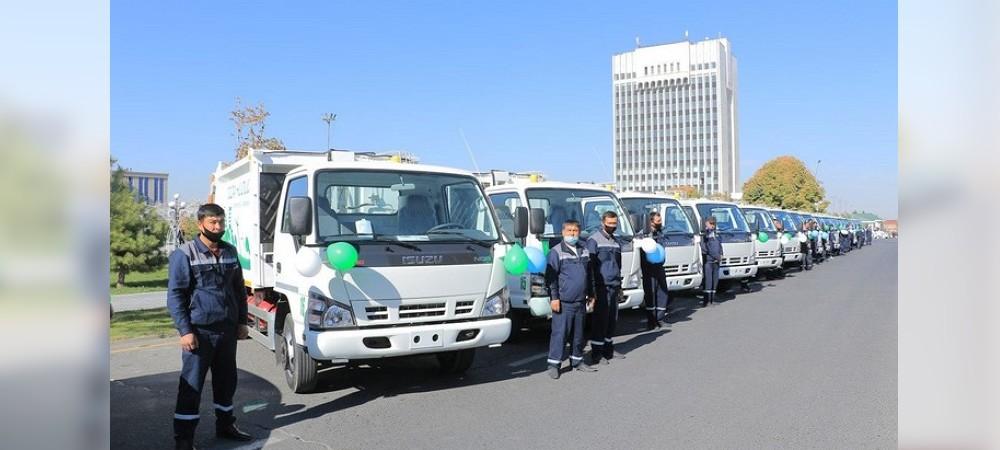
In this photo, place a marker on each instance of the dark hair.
(711, 220)
(571, 223)
(210, 210)
(608, 214)
(653, 214)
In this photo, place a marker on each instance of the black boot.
(184, 443)
(232, 433)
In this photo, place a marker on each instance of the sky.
(528, 84)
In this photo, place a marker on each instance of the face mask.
(212, 236)
(657, 226)
(610, 230)
(571, 240)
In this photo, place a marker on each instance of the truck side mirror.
(300, 216)
(636, 221)
(537, 222)
(520, 222)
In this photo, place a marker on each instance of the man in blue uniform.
(711, 253)
(606, 265)
(207, 301)
(654, 279)
(571, 290)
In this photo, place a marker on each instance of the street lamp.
(175, 238)
(328, 118)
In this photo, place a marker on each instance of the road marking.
(143, 347)
(529, 359)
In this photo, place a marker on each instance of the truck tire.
(457, 361)
(299, 367)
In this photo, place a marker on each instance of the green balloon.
(516, 261)
(762, 237)
(788, 236)
(342, 256)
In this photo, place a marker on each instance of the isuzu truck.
(542, 207)
(683, 260)
(355, 256)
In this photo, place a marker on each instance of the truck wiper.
(482, 243)
(381, 238)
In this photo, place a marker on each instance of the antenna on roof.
(469, 149)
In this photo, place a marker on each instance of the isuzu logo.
(422, 260)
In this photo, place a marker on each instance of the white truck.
(738, 258)
(542, 207)
(427, 277)
(683, 262)
(769, 258)
(791, 251)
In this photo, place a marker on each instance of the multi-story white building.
(675, 117)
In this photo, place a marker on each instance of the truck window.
(689, 212)
(270, 195)
(467, 207)
(297, 187)
(675, 221)
(505, 204)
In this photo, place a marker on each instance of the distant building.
(150, 186)
(674, 117)
(498, 177)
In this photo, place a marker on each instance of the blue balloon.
(536, 259)
(657, 256)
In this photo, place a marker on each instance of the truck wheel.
(299, 367)
(517, 322)
(457, 361)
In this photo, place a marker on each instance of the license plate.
(426, 339)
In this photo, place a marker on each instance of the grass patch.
(137, 282)
(144, 323)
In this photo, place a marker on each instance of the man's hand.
(554, 304)
(590, 302)
(189, 342)
(242, 332)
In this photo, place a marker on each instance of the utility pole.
(328, 118)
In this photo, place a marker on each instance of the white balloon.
(784, 239)
(648, 245)
(307, 262)
(802, 237)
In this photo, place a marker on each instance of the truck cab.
(739, 260)
(426, 277)
(683, 260)
(545, 206)
(791, 252)
(768, 251)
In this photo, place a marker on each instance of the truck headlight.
(696, 267)
(753, 259)
(633, 281)
(326, 313)
(538, 288)
(497, 304)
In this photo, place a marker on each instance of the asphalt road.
(804, 362)
(144, 300)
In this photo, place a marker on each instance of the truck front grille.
(426, 310)
(735, 261)
(677, 269)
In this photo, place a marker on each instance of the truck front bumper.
(407, 340)
(736, 272)
(792, 257)
(542, 307)
(684, 282)
(769, 263)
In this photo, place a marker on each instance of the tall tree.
(785, 182)
(137, 232)
(250, 122)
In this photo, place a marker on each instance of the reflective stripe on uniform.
(223, 408)
(186, 416)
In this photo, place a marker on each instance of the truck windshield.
(404, 206)
(787, 222)
(674, 220)
(760, 218)
(727, 217)
(585, 206)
